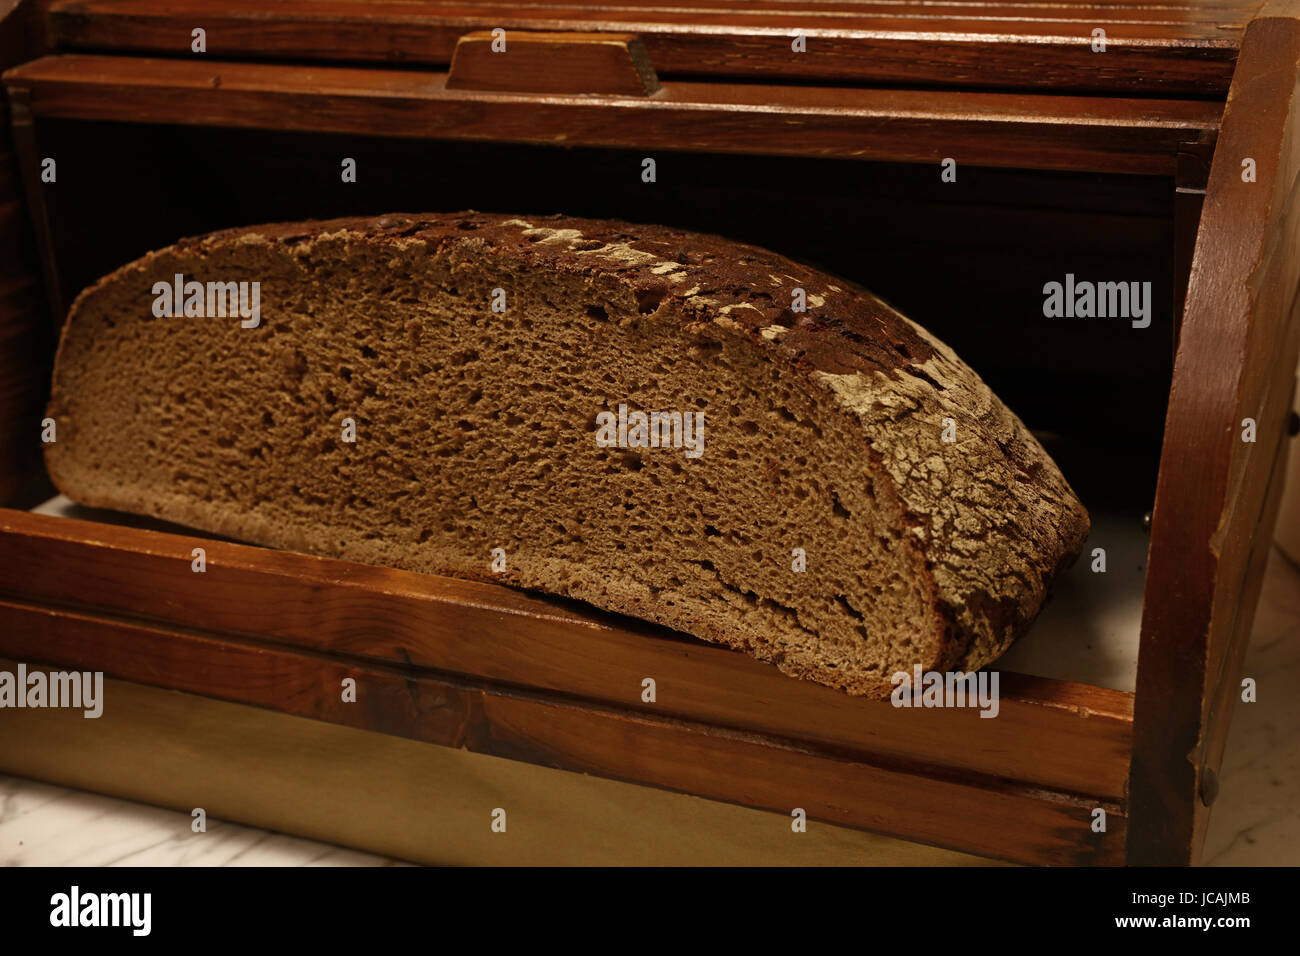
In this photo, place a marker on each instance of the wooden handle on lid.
(569, 63)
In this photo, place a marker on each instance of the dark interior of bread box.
(967, 259)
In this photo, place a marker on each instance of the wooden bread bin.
(1165, 148)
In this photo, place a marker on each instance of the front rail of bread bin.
(483, 668)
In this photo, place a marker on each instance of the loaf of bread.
(670, 425)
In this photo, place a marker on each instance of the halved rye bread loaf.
(824, 431)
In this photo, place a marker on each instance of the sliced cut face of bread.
(826, 486)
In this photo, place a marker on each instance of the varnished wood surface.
(1049, 733)
(404, 799)
(610, 63)
(1178, 48)
(1044, 132)
(1217, 494)
(26, 340)
(966, 812)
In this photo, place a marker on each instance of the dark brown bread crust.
(850, 332)
(993, 518)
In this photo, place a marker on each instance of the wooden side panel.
(26, 342)
(1217, 493)
(1048, 733)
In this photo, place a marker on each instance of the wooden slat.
(1217, 494)
(1180, 11)
(1170, 26)
(1064, 736)
(1080, 133)
(401, 798)
(962, 812)
(1153, 50)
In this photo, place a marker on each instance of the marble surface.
(44, 825)
(1256, 820)
(1089, 629)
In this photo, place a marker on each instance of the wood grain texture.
(611, 63)
(1049, 733)
(1189, 198)
(1217, 494)
(1171, 49)
(26, 342)
(1044, 132)
(405, 799)
(965, 812)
